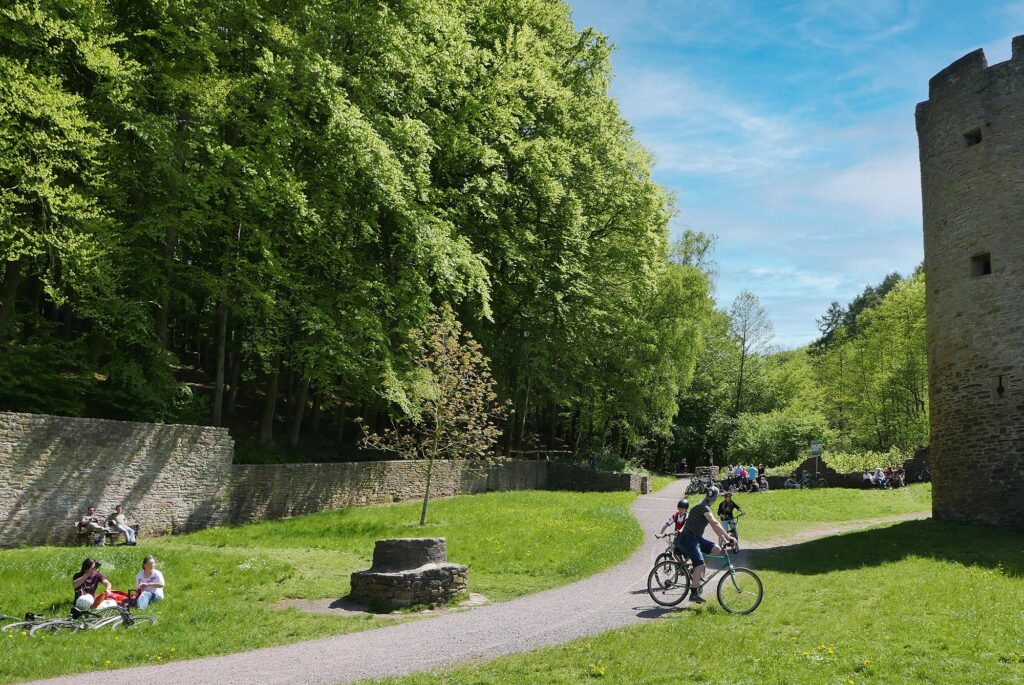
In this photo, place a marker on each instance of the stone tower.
(971, 136)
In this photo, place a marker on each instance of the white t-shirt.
(157, 577)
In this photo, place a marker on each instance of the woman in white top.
(149, 583)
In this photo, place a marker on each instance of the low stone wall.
(567, 477)
(278, 490)
(179, 478)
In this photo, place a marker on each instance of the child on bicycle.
(727, 512)
(678, 518)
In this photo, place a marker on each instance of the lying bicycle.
(117, 617)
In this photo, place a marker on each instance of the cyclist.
(692, 544)
(678, 518)
(727, 512)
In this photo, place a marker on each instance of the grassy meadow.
(911, 602)
(223, 583)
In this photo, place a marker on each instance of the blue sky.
(787, 130)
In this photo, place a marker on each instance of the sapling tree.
(448, 405)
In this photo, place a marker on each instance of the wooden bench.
(85, 537)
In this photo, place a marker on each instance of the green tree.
(448, 402)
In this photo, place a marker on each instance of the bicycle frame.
(712, 574)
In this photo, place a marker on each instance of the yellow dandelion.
(867, 662)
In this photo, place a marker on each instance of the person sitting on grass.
(692, 544)
(149, 584)
(120, 522)
(85, 583)
(762, 483)
(727, 512)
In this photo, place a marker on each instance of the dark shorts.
(694, 548)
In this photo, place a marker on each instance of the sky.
(786, 129)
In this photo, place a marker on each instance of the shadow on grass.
(962, 544)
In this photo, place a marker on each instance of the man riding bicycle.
(691, 543)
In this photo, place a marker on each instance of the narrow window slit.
(973, 137)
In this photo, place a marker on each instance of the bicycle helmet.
(712, 494)
(682, 504)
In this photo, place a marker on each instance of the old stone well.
(409, 571)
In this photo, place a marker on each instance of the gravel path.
(612, 599)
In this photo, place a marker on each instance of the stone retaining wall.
(179, 478)
(172, 478)
(279, 490)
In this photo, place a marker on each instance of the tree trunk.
(739, 382)
(270, 405)
(314, 420)
(300, 410)
(342, 415)
(236, 375)
(222, 339)
(12, 281)
(426, 492)
(163, 311)
(522, 415)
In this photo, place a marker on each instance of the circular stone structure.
(971, 133)
(409, 571)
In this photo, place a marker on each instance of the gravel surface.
(612, 599)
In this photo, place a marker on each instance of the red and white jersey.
(677, 520)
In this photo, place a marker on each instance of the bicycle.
(730, 526)
(805, 482)
(670, 553)
(739, 590)
(698, 486)
(27, 623)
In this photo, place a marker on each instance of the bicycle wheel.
(791, 484)
(134, 622)
(54, 627)
(18, 626)
(821, 483)
(668, 583)
(740, 591)
(662, 558)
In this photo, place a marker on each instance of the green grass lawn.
(223, 583)
(916, 601)
(780, 513)
(659, 482)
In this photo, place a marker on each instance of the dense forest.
(238, 213)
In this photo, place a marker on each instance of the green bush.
(776, 437)
(849, 462)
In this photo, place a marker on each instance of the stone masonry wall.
(180, 478)
(170, 478)
(971, 135)
(279, 490)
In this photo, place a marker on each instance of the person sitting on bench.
(119, 521)
(92, 523)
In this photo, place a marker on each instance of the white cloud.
(887, 187)
(849, 25)
(694, 129)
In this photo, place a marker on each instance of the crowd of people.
(889, 478)
(746, 478)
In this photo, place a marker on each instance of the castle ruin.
(971, 136)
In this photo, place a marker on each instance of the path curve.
(611, 599)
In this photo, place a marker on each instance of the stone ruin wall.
(971, 136)
(175, 478)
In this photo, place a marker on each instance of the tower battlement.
(971, 139)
